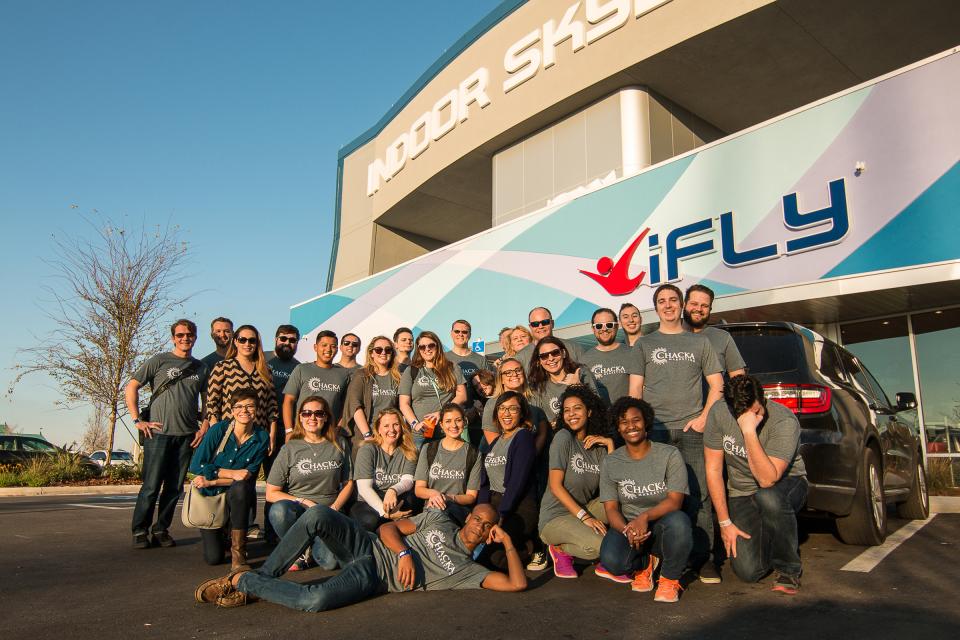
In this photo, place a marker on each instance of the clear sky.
(224, 117)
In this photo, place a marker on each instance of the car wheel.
(917, 504)
(867, 522)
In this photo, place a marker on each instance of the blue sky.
(222, 117)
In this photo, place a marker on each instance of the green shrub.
(939, 476)
(36, 473)
(68, 466)
(10, 477)
(122, 473)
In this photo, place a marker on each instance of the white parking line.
(866, 561)
(97, 506)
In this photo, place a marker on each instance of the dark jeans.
(368, 517)
(697, 504)
(283, 515)
(353, 548)
(165, 462)
(240, 497)
(670, 540)
(769, 517)
(521, 525)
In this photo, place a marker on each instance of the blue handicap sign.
(477, 346)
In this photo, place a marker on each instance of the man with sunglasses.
(349, 348)
(461, 355)
(318, 378)
(615, 366)
(541, 326)
(170, 434)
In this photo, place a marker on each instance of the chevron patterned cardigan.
(228, 376)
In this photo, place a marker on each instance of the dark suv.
(861, 452)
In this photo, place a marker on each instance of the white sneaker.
(538, 561)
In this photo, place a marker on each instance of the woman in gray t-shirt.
(448, 471)
(572, 519)
(430, 382)
(511, 377)
(383, 472)
(642, 485)
(551, 371)
(372, 390)
(312, 468)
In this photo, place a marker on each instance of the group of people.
(427, 468)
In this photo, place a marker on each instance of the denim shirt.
(207, 462)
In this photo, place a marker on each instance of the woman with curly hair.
(383, 472)
(430, 382)
(572, 519)
(551, 371)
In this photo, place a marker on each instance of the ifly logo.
(832, 223)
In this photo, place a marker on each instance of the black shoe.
(163, 539)
(141, 541)
(710, 573)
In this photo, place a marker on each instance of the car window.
(32, 444)
(8, 443)
(121, 455)
(857, 376)
(830, 363)
(767, 349)
(877, 389)
(98, 455)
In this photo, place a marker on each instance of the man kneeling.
(425, 552)
(766, 481)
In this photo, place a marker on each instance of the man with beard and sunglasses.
(615, 365)
(698, 303)
(540, 320)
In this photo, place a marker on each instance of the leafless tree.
(113, 292)
(95, 434)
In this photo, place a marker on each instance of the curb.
(97, 490)
(944, 504)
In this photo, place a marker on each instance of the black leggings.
(241, 497)
(520, 525)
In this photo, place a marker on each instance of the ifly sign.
(804, 231)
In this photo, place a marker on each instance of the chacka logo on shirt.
(306, 466)
(439, 472)
(382, 478)
(580, 465)
(175, 372)
(279, 373)
(423, 380)
(435, 541)
(316, 384)
(630, 490)
(661, 355)
(555, 405)
(495, 461)
(600, 371)
(730, 446)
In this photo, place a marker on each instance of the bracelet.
(581, 514)
(368, 435)
(725, 523)
(405, 552)
(299, 501)
(288, 431)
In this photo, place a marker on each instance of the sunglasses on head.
(541, 323)
(379, 350)
(319, 414)
(546, 355)
(290, 339)
(599, 326)
(427, 346)
(245, 340)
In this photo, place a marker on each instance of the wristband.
(581, 514)
(725, 523)
(288, 431)
(368, 435)
(405, 552)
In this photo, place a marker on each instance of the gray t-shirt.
(536, 416)
(314, 471)
(310, 379)
(726, 349)
(383, 393)
(448, 469)
(639, 485)
(177, 407)
(441, 558)
(373, 463)
(425, 393)
(779, 436)
(281, 370)
(673, 367)
(612, 370)
(495, 463)
(581, 474)
(525, 355)
(211, 359)
(548, 398)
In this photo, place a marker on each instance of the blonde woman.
(430, 382)
(384, 472)
(312, 468)
(372, 390)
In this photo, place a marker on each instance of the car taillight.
(800, 398)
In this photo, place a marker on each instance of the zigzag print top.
(228, 376)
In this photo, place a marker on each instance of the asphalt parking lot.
(67, 569)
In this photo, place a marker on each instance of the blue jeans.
(697, 504)
(670, 540)
(770, 518)
(350, 544)
(283, 515)
(165, 462)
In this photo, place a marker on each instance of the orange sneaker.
(668, 590)
(643, 580)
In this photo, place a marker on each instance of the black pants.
(165, 462)
(520, 524)
(241, 496)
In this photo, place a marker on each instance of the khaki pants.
(574, 537)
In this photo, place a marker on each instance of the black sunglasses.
(350, 343)
(386, 350)
(541, 323)
(245, 340)
(546, 355)
(286, 339)
(319, 414)
(427, 346)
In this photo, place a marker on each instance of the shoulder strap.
(223, 441)
(432, 452)
(471, 460)
(169, 382)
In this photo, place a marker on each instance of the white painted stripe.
(97, 506)
(866, 561)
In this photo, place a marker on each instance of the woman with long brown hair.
(551, 372)
(372, 390)
(430, 382)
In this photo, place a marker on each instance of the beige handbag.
(205, 512)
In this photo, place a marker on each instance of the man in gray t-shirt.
(615, 366)
(319, 378)
(698, 303)
(427, 552)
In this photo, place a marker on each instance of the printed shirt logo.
(279, 373)
(175, 372)
(436, 541)
(384, 479)
(306, 466)
(316, 384)
(495, 461)
(439, 472)
(423, 380)
(661, 355)
(630, 490)
(378, 391)
(580, 465)
(600, 371)
(730, 446)
(555, 405)
(614, 276)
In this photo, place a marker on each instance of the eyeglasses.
(386, 350)
(511, 373)
(427, 346)
(508, 410)
(245, 340)
(461, 332)
(249, 408)
(541, 323)
(181, 336)
(555, 353)
(319, 414)
(600, 326)
(290, 339)
(350, 343)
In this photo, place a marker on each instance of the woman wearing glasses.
(227, 460)
(551, 372)
(372, 390)
(349, 348)
(243, 367)
(430, 382)
(511, 377)
(312, 468)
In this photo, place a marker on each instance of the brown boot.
(238, 551)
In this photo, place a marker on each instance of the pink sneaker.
(562, 563)
(601, 571)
